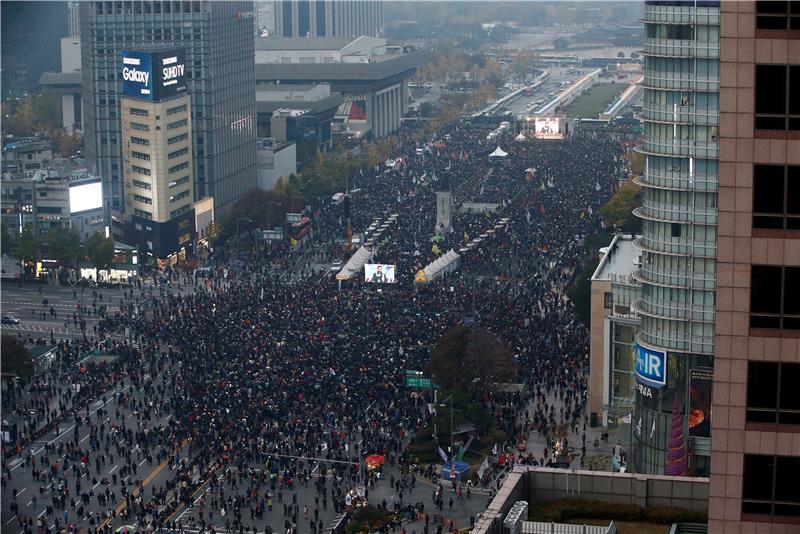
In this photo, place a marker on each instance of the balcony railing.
(687, 48)
(677, 181)
(677, 246)
(681, 15)
(675, 278)
(656, 211)
(672, 342)
(679, 147)
(674, 311)
(680, 114)
(679, 82)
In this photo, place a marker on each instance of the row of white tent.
(449, 262)
(364, 254)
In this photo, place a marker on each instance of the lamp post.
(452, 455)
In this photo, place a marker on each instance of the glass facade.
(678, 212)
(218, 39)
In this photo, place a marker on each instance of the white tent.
(498, 153)
(355, 264)
(442, 265)
(520, 137)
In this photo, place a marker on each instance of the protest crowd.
(239, 389)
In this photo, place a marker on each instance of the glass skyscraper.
(675, 343)
(218, 39)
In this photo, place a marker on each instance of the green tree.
(580, 292)
(463, 355)
(618, 210)
(15, 357)
(63, 244)
(35, 113)
(5, 238)
(99, 250)
(29, 248)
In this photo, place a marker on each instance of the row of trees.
(61, 244)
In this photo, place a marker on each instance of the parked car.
(336, 265)
(9, 319)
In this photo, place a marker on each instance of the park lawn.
(594, 100)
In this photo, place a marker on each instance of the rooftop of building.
(303, 43)
(620, 258)
(304, 73)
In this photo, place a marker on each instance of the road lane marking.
(12, 519)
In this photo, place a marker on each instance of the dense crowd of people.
(234, 377)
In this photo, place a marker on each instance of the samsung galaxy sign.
(153, 75)
(651, 366)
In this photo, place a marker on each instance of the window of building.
(176, 197)
(142, 199)
(179, 211)
(141, 170)
(608, 300)
(177, 109)
(177, 139)
(140, 127)
(140, 141)
(178, 167)
(769, 485)
(140, 184)
(775, 107)
(771, 394)
(143, 214)
(177, 124)
(140, 155)
(178, 153)
(179, 181)
(775, 297)
(776, 197)
(778, 15)
(139, 112)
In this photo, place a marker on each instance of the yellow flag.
(466, 236)
(435, 249)
(293, 241)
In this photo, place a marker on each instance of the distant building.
(613, 325)
(218, 39)
(25, 155)
(67, 83)
(40, 200)
(157, 156)
(299, 113)
(275, 161)
(373, 83)
(328, 18)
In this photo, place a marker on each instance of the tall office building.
(756, 408)
(157, 152)
(74, 18)
(675, 342)
(218, 39)
(328, 18)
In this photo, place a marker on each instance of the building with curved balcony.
(676, 307)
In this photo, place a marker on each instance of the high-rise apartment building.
(218, 39)
(157, 152)
(755, 462)
(328, 18)
(675, 342)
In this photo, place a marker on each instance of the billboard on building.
(379, 273)
(651, 366)
(153, 75)
(85, 196)
(548, 128)
(700, 382)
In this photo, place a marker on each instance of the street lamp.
(452, 449)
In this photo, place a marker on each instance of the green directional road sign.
(419, 382)
(412, 372)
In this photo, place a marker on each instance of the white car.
(336, 265)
